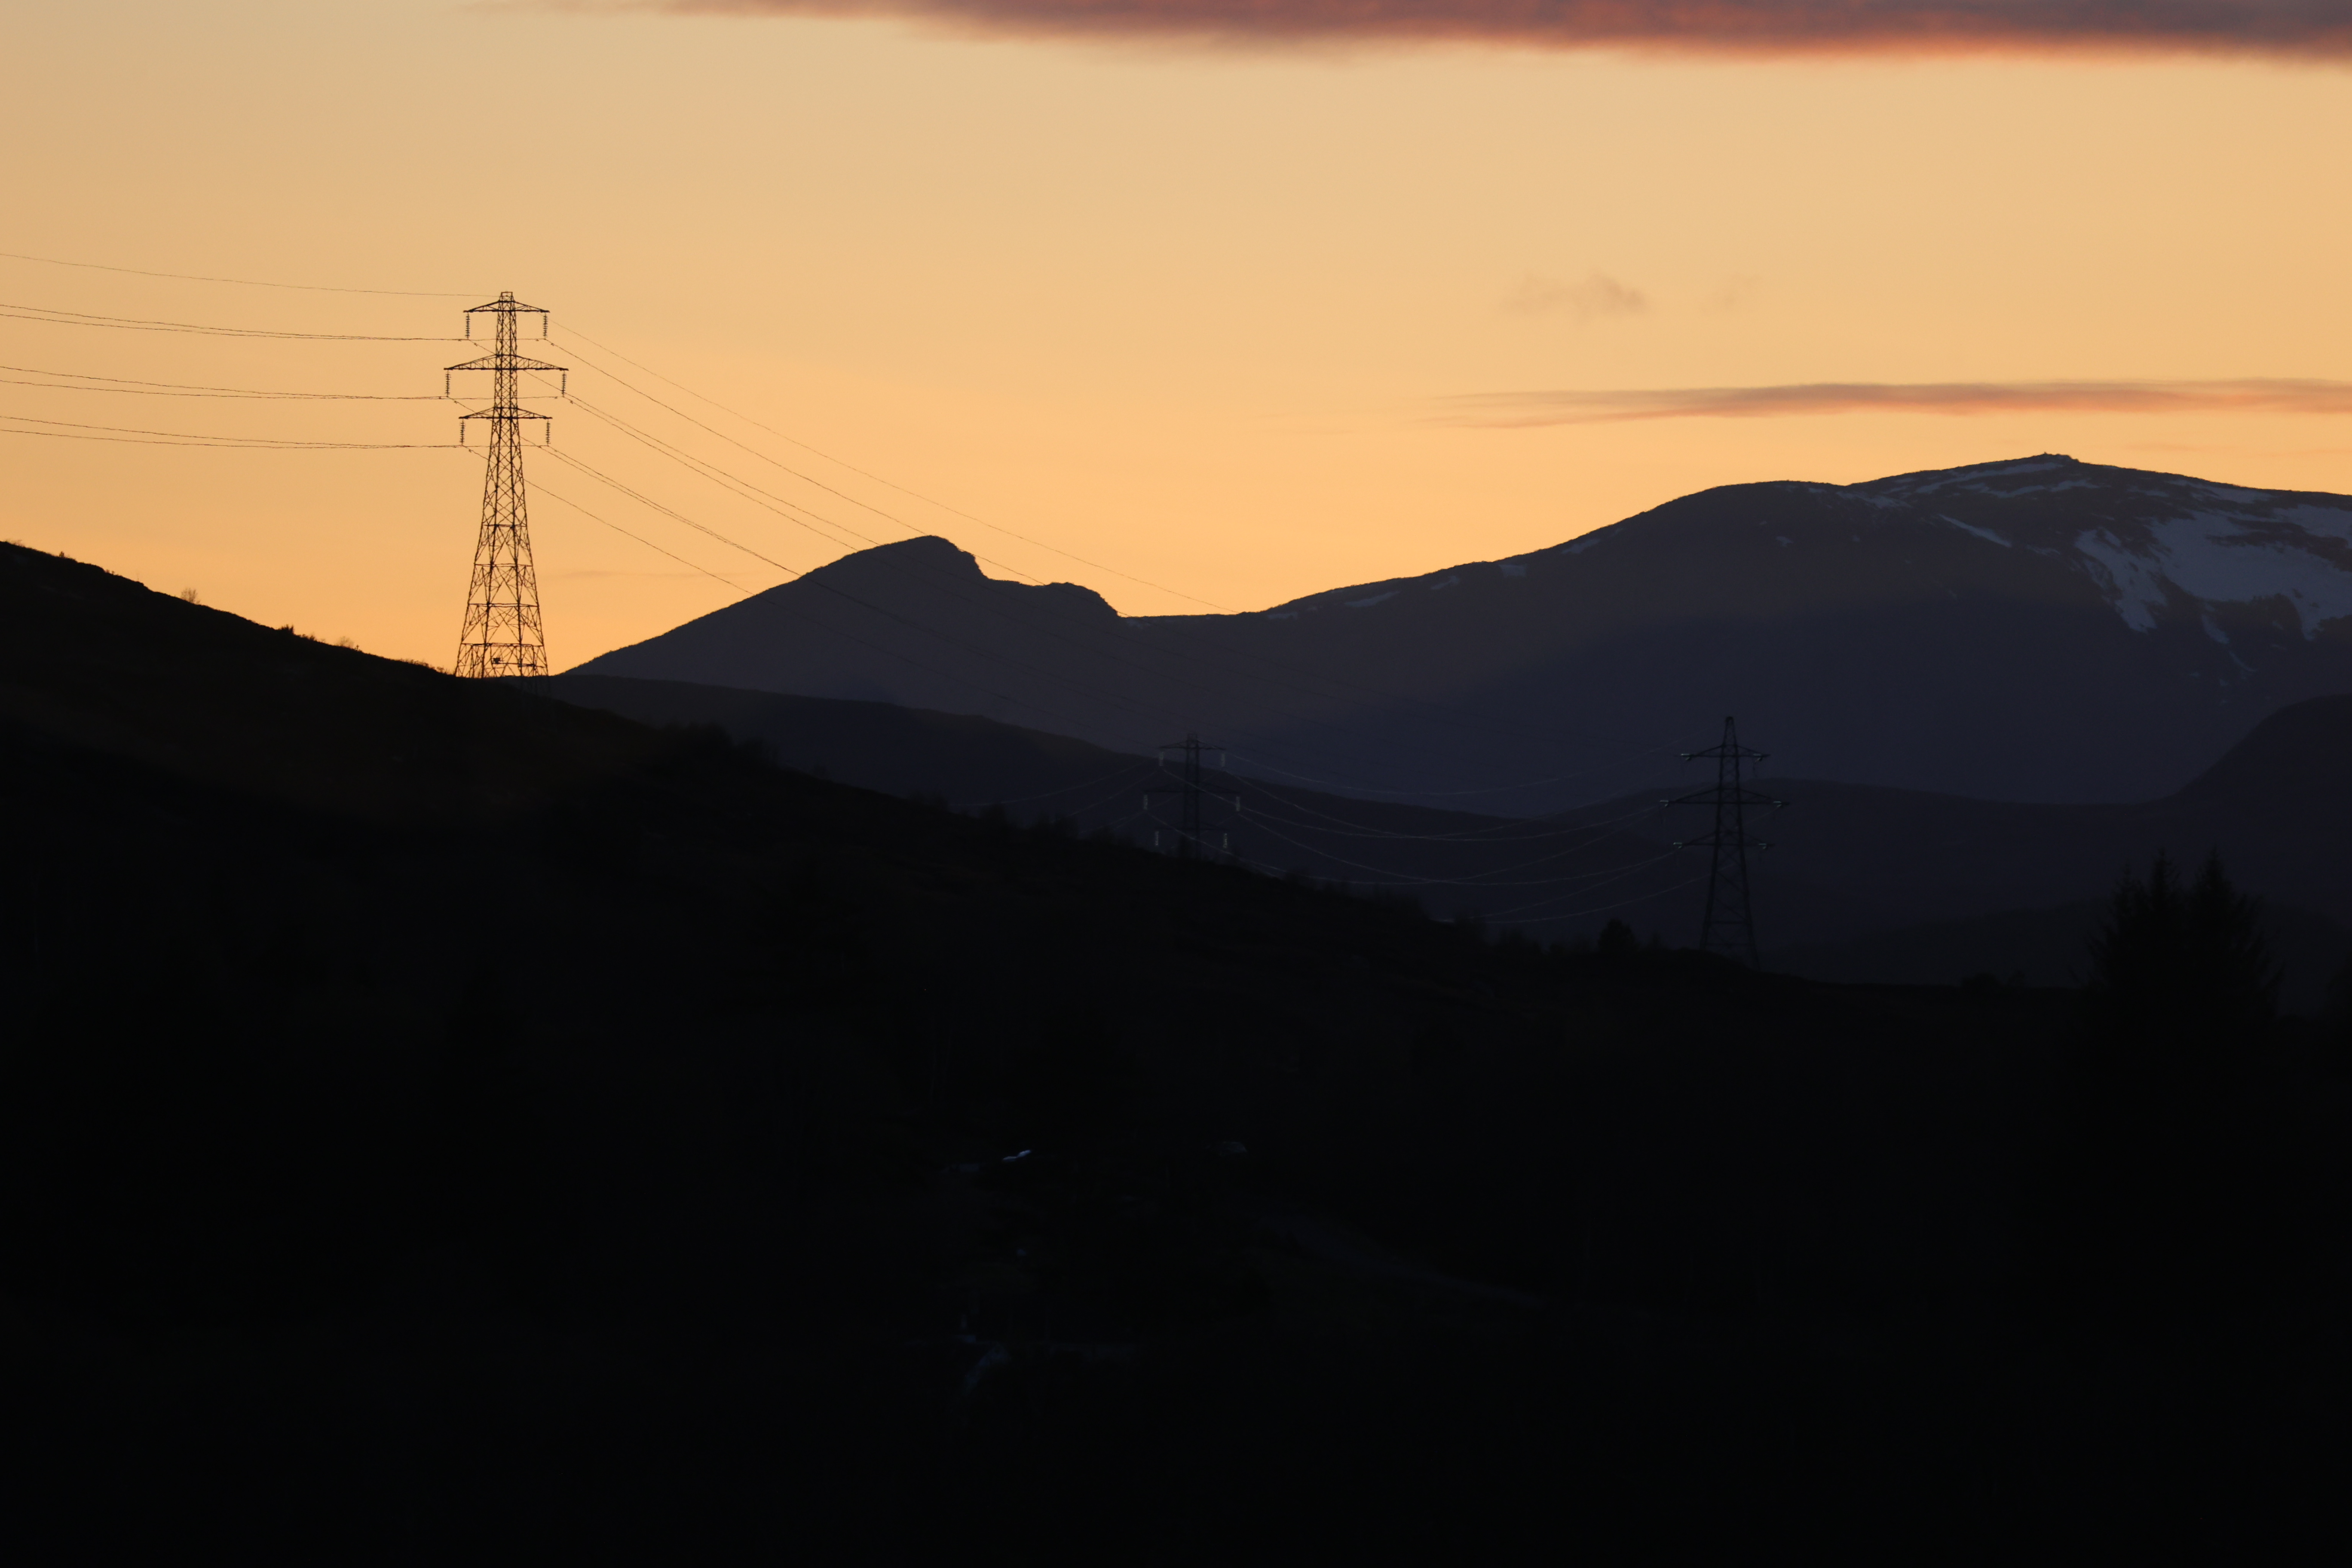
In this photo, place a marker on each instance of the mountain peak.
(927, 553)
(2010, 474)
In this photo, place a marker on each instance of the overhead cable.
(1598, 909)
(16, 312)
(246, 443)
(878, 478)
(125, 385)
(241, 282)
(1112, 697)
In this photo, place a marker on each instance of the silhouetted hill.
(2040, 629)
(1853, 865)
(958, 758)
(1851, 870)
(1454, 861)
(433, 1118)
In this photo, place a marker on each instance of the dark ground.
(435, 1121)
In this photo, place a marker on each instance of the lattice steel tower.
(502, 635)
(1189, 843)
(1729, 925)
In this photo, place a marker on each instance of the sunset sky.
(1233, 301)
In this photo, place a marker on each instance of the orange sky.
(1210, 317)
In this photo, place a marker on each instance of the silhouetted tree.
(2162, 1203)
(2181, 978)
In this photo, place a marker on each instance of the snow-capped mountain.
(2040, 629)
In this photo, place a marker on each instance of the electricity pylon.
(1190, 794)
(1729, 926)
(502, 635)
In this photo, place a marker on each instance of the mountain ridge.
(2033, 629)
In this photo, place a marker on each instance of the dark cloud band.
(2304, 27)
(1510, 410)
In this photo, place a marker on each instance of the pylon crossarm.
(504, 362)
(1719, 795)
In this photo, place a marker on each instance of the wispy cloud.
(1596, 295)
(1509, 410)
(2300, 27)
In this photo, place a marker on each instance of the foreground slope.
(434, 1119)
(2040, 629)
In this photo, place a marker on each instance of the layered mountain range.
(1862, 882)
(2038, 630)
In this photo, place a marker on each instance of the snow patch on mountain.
(1972, 479)
(1375, 599)
(2132, 584)
(1972, 528)
(2220, 558)
(2216, 557)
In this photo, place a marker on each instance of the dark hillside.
(435, 1120)
(1861, 884)
(958, 758)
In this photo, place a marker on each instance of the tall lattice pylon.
(1190, 843)
(1729, 926)
(502, 633)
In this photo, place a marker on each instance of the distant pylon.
(502, 635)
(1190, 794)
(1729, 925)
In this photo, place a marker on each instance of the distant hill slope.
(1852, 871)
(1450, 860)
(2040, 629)
(958, 757)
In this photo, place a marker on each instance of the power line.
(778, 504)
(127, 386)
(738, 485)
(57, 318)
(1399, 880)
(641, 538)
(851, 598)
(1067, 789)
(1259, 760)
(1248, 671)
(242, 282)
(682, 517)
(1598, 909)
(878, 479)
(1464, 835)
(713, 470)
(734, 486)
(253, 443)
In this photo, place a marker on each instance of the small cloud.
(1597, 295)
(1505, 410)
(2292, 29)
(1735, 295)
